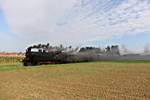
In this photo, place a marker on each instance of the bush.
(10, 59)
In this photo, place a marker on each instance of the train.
(46, 54)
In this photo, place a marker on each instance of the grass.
(81, 81)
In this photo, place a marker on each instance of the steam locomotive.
(45, 54)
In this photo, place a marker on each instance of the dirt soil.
(85, 81)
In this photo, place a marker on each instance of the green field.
(81, 81)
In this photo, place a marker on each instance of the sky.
(74, 22)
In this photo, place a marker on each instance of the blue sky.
(8, 40)
(76, 22)
(3, 25)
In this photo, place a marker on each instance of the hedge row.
(10, 59)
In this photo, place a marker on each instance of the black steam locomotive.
(45, 54)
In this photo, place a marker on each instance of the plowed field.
(82, 81)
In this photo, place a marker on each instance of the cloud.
(104, 19)
(76, 21)
(0, 6)
(35, 20)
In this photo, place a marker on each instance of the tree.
(115, 50)
(146, 50)
(108, 50)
